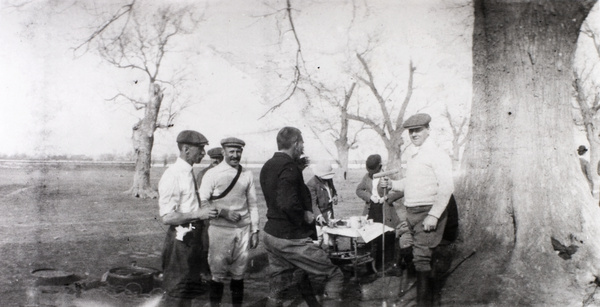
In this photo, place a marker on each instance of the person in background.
(375, 203)
(586, 168)
(290, 224)
(324, 196)
(179, 207)
(230, 189)
(216, 156)
(428, 187)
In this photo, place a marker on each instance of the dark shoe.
(216, 293)
(424, 295)
(237, 292)
(307, 291)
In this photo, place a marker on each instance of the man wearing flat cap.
(427, 186)
(216, 156)
(179, 207)
(230, 189)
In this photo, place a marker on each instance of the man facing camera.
(427, 187)
(230, 189)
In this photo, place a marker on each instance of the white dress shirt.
(176, 189)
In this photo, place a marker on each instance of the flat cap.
(373, 162)
(417, 120)
(216, 152)
(232, 142)
(191, 137)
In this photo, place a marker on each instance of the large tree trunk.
(520, 186)
(143, 140)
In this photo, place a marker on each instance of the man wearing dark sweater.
(289, 224)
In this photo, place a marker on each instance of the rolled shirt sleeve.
(169, 194)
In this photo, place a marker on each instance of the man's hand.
(230, 215)
(207, 213)
(385, 183)
(335, 200)
(321, 220)
(375, 198)
(309, 217)
(254, 240)
(401, 229)
(430, 223)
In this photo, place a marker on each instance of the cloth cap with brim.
(324, 170)
(233, 142)
(216, 152)
(582, 149)
(373, 162)
(417, 120)
(191, 137)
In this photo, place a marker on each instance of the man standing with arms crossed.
(179, 207)
(230, 189)
(289, 224)
(427, 186)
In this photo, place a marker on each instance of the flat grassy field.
(77, 219)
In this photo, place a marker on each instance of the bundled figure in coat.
(324, 197)
(375, 204)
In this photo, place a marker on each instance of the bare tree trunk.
(343, 149)
(394, 153)
(520, 188)
(143, 140)
(455, 154)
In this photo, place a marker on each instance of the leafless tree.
(336, 122)
(459, 137)
(587, 98)
(388, 127)
(131, 39)
(524, 207)
(299, 72)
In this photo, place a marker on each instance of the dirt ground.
(76, 219)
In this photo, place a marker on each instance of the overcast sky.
(54, 102)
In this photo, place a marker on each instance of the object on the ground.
(350, 257)
(53, 277)
(564, 251)
(133, 278)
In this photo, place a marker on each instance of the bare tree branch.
(125, 10)
(409, 91)
(137, 104)
(299, 63)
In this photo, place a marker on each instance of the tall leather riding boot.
(307, 292)
(237, 292)
(216, 293)
(424, 298)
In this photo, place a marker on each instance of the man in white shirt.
(230, 189)
(179, 207)
(427, 186)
